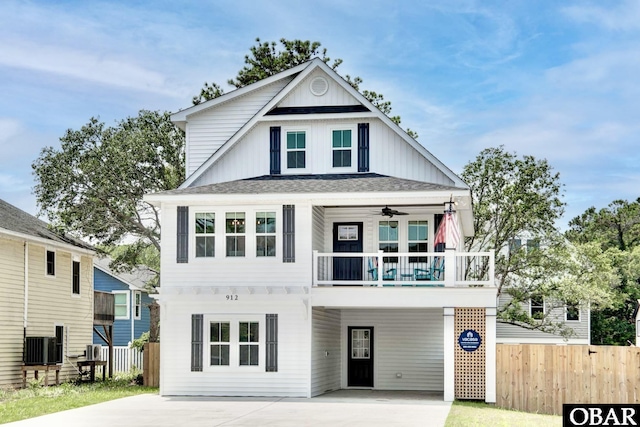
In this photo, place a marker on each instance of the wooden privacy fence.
(124, 358)
(540, 378)
(151, 373)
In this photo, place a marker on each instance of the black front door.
(360, 366)
(347, 237)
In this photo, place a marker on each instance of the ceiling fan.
(387, 211)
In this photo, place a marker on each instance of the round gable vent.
(319, 86)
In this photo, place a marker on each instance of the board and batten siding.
(249, 270)
(292, 377)
(209, 129)
(325, 351)
(408, 342)
(302, 95)
(318, 228)
(11, 311)
(506, 332)
(388, 153)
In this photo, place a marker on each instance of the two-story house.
(46, 283)
(131, 300)
(299, 256)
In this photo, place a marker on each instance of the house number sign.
(469, 340)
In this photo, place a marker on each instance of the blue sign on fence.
(469, 340)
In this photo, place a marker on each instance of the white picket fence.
(124, 358)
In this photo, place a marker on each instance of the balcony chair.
(389, 274)
(434, 272)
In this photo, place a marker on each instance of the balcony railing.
(432, 269)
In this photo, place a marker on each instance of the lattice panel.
(470, 367)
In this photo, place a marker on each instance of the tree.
(266, 60)
(520, 197)
(93, 185)
(616, 231)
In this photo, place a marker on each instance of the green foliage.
(139, 342)
(520, 197)
(93, 185)
(616, 231)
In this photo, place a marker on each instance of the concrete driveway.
(347, 408)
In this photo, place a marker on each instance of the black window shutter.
(271, 364)
(274, 136)
(363, 147)
(288, 233)
(182, 245)
(196, 342)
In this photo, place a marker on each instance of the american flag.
(448, 234)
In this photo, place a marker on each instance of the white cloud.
(624, 17)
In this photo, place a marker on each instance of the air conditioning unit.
(40, 351)
(94, 352)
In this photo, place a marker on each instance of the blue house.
(131, 301)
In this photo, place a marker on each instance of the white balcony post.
(449, 354)
(449, 267)
(490, 355)
(380, 268)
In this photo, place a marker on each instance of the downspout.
(133, 310)
(26, 286)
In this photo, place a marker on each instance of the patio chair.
(435, 272)
(389, 274)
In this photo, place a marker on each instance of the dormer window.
(296, 150)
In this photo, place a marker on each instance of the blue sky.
(556, 80)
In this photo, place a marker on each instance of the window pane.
(253, 332)
(235, 246)
(244, 355)
(271, 245)
(253, 355)
(121, 311)
(291, 140)
(244, 332)
(205, 246)
(120, 299)
(214, 335)
(337, 139)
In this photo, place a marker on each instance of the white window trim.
(128, 310)
(234, 342)
(429, 238)
(55, 263)
(354, 147)
(566, 314)
(256, 234)
(193, 235)
(284, 169)
(247, 232)
(544, 308)
(137, 295)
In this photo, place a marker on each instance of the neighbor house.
(299, 256)
(131, 299)
(46, 282)
(573, 317)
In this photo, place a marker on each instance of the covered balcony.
(447, 269)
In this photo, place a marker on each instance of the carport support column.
(449, 358)
(490, 355)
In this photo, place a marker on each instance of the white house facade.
(300, 255)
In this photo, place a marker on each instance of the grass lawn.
(479, 414)
(35, 400)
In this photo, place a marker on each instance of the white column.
(490, 355)
(449, 361)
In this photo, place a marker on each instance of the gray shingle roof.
(18, 221)
(139, 277)
(328, 183)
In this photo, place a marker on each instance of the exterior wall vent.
(319, 86)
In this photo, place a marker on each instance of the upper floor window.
(536, 307)
(296, 150)
(235, 227)
(418, 239)
(75, 278)
(388, 238)
(341, 145)
(572, 312)
(51, 263)
(137, 305)
(121, 299)
(265, 234)
(205, 234)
